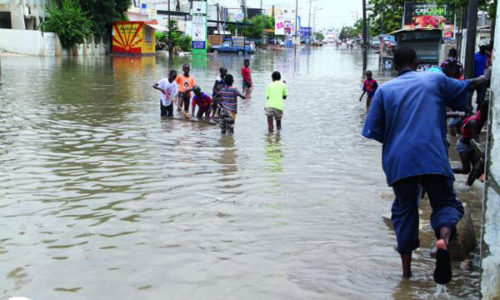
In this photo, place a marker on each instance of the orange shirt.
(185, 82)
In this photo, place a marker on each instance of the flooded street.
(101, 199)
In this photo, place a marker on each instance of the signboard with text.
(425, 15)
(199, 28)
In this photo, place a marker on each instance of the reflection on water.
(274, 153)
(103, 199)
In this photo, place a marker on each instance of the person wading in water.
(408, 116)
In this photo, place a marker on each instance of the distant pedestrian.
(481, 59)
(369, 87)
(246, 73)
(451, 66)
(186, 84)
(408, 117)
(204, 103)
(276, 93)
(228, 103)
(169, 91)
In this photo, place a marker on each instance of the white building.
(22, 14)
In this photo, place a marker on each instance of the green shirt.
(275, 92)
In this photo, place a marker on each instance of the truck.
(426, 42)
(234, 45)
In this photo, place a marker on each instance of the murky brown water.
(101, 199)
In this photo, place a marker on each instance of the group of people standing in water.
(222, 105)
(407, 115)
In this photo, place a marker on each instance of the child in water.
(276, 92)
(369, 87)
(186, 84)
(203, 101)
(471, 129)
(246, 73)
(169, 92)
(218, 85)
(228, 96)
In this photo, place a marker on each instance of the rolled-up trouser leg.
(405, 213)
(446, 209)
(163, 110)
(185, 99)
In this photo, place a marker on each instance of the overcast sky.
(330, 13)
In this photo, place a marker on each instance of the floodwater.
(102, 199)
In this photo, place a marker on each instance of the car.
(232, 46)
(276, 42)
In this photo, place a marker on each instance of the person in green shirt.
(276, 92)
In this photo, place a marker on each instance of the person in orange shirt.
(186, 84)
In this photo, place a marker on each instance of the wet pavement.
(102, 199)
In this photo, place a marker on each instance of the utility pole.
(365, 39)
(313, 29)
(471, 38)
(309, 20)
(296, 21)
(169, 42)
(383, 17)
(264, 23)
(218, 14)
(470, 47)
(244, 7)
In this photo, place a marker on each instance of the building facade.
(22, 14)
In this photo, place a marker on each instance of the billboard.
(289, 25)
(425, 15)
(279, 25)
(305, 32)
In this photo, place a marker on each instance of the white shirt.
(170, 88)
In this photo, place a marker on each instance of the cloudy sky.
(329, 13)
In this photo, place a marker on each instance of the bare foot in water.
(442, 272)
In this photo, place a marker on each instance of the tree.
(393, 15)
(349, 33)
(254, 28)
(319, 36)
(67, 19)
(104, 13)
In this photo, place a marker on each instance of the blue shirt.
(480, 61)
(408, 116)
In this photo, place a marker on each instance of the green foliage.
(175, 33)
(393, 9)
(178, 40)
(256, 28)
(70, 23)
(492, 10)
(105, 12)
(185, 43)
(319, 36)
(349, 33)
(161, 36)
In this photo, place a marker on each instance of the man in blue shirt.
(407, 116)
(480, 64)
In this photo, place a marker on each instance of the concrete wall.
(490, 251)
(37, 43)
(29, 42)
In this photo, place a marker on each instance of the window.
(148, 34)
